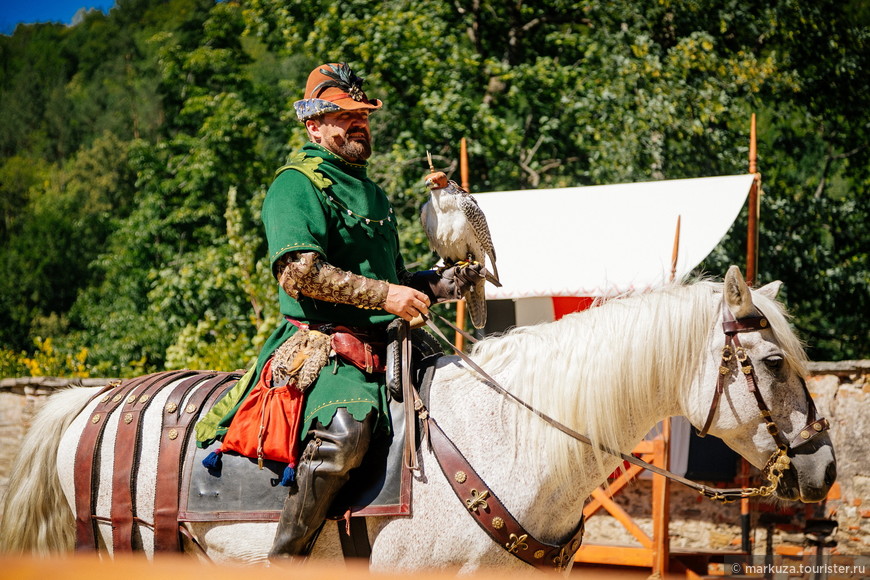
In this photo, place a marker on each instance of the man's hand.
(405, 302)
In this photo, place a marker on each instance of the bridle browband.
(777, 463)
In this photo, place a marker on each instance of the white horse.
(611, 372)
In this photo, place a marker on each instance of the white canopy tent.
(604, 240)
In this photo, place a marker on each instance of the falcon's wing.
(477, 219)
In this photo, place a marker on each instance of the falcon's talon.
(443, 268)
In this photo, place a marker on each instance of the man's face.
(345, 133)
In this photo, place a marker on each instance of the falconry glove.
(450, 284)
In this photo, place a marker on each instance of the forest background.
(136, 148)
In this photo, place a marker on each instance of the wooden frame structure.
(654, 552)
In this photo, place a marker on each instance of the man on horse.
(334, 250)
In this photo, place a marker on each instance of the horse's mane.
(595, 370)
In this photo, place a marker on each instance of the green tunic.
(344, 216)
(320, 202)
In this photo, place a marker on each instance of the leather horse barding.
(482, 504)
(131, 398)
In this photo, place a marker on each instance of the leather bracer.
(306, 274)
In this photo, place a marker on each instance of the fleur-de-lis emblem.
(517, 543)
(477, 500)
(561, 560)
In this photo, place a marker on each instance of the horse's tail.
(36, 517)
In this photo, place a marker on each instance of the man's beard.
(353, 149)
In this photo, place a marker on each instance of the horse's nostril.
(831, 474)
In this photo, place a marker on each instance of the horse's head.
(753, 394)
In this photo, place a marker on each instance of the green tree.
(172, 282)
(135, 147)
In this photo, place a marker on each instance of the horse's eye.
(774, 362)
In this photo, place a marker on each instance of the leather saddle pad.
(243, 492)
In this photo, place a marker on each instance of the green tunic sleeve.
(294, 216)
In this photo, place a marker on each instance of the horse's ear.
(737, 295)
(771, 290)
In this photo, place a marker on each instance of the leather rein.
(777, 463)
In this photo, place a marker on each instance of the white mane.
(597, 369)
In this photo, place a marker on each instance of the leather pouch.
(367, 356)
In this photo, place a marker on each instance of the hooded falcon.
(458, 233)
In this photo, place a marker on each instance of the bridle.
(779, 461)
(775, 466)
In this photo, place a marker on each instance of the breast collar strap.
(733, 350)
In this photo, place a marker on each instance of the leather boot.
(331, 453)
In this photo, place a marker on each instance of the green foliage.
(46, 361)
(136, 147)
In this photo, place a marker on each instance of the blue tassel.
(289, 476)
(212, 462)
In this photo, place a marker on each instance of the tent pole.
(459, 341)
(754, 209)
(676, 253)
(751, 274)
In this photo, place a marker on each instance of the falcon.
(458, 233)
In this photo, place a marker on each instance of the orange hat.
(333, 87)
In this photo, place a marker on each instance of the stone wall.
(842, 394)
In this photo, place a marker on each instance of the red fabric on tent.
(563, 305)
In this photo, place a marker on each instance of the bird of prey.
(458, 233)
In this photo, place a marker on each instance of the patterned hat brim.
(310, 108)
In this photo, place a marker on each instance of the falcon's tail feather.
(475, 299)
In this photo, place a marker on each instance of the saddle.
(381, 486)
